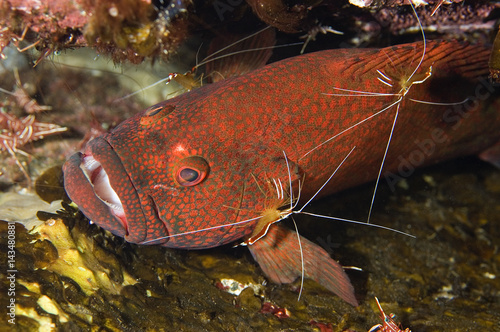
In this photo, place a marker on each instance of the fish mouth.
(99, 179)
(108, 198)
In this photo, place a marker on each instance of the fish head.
(179, 174)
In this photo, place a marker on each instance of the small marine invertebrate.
(17, 132)
(270, 308)
(23, 98)
(313, 32)
(389, 324)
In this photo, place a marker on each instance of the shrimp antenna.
(232, 44)
(303, 269)
(397, 111)
(424, 41)
(201, 230)
(343, 219)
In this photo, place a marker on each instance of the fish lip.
(99, 193)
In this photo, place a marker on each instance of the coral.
(130, 30)
(453, 18)
(126, 29)
(51, 25)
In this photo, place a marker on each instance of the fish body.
(200, 170)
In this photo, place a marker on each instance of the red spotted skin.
(241, 127)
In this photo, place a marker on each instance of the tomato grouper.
(226, 161)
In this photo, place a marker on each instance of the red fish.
(208, 167)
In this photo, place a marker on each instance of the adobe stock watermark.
(11, 272)
(223, 6)
(455, 116)
(328, 244)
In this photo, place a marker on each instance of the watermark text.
(11, 272)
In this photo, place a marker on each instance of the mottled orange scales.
(314, 109)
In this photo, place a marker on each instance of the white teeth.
(99, 180)
(89, 164)
(117, 209)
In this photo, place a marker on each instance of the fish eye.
(191, 171)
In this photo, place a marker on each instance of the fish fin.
(492, 155)
(278, 255)
(249, 54)
(448, 56)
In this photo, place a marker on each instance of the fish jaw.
(98, 183)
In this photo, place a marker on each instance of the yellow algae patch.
(45, 323)
(22, 208)
(77, 260)
(33, 287)
(51, 307)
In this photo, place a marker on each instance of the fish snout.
(98, 183)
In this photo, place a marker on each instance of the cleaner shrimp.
(284, 197)
(244, 49)
(285, 202)
(399, 84)
(282, 205)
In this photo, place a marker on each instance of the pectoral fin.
(278, 254)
